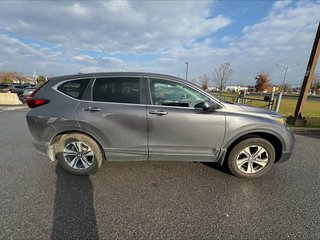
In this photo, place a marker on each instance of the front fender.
(240, 126)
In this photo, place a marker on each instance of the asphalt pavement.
(153, 200)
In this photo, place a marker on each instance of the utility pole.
(284, 78)
(298, 119)
(187, 63)
(285, 74)
(279, 98)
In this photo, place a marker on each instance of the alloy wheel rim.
(252, 159)
(78, 155)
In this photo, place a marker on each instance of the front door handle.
(158, 112)
(92, 109)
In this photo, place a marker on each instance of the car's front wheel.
(251, 158)
(78, 154)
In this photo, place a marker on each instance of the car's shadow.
(74, 215)
(218, 167)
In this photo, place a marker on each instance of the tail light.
(36, 102)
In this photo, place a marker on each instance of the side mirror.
(209, 106)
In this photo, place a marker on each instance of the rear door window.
(74, 88)
(117, 90)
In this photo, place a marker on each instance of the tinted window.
(3, 86)
(169, 93)
(116, 89)
(74, 88)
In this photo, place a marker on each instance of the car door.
(115, 114)
(178, 128)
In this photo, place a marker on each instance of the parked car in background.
(5, 87)
(27, 92)
(81, 120)
(19, 88)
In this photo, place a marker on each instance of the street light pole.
(187, 63)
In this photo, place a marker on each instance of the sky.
(66, 37)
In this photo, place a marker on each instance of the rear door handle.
(92, 109)
(158, 112)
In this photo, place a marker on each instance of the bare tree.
(10, 77)
(204, 80)
(262, 82)
(222, 75)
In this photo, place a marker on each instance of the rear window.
(117, 89)
(74, 88)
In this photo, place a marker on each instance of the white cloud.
(116, 35)
(15, 47)
(84, 59)
(280, 5)
(112, 60)
(285, 35)
(91, 69)
(113, 26)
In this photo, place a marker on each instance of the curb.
(304, 130)
(9, 98)
(11, 107)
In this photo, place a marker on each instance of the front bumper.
(290, 142)
(284, 157)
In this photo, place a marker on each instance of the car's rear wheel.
(78, 154)
(251, 158)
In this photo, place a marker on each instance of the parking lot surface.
(153, 200)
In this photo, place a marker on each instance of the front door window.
(169, 93)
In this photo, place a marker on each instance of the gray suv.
(81, 120)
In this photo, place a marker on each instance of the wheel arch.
(271, 137)
(59, 135)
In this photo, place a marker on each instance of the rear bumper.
(45, 149)
(40, 147)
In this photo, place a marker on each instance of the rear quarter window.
(74, 88)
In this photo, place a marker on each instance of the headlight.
(280, 120)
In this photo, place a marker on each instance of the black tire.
(86, 144)
(241, 167)
(21, 98)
